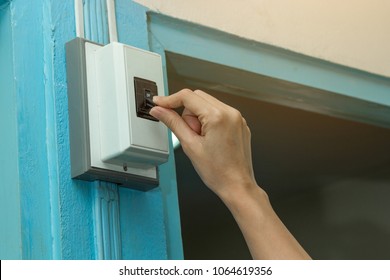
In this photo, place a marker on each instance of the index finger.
(184, 98)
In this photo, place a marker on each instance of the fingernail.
(156, 98)
(153, 111)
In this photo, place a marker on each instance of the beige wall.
(354, 33)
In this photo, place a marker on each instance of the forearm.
(264, 232)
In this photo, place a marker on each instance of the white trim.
(112, 30)
(79, 18)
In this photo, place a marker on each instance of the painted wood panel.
(62, 218)
(9, 180)
(29, 77)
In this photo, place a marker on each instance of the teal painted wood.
(221, 48)
(52, 157)
(107, 222)
(72, 199)
(132, 24)
(58, 215)
(95, 17)
(141, 216)
(10, 211)
(55, 212)
(171, 207)
(35, 199)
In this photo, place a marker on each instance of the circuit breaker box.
(110, 92)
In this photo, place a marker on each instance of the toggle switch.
(144, 92)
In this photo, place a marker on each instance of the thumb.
(174, 122)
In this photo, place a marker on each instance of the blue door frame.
(49, 215)
(8, 140)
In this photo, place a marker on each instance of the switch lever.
(144, 92)
(149, 103)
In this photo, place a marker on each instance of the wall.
(343, 220)
(30, 206)
(351, 33)
(9, 191)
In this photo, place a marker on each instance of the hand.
(213, 135)
(217, 140)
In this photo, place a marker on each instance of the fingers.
(212, 100)
(174, 122)
(192, 121)
(184, 98)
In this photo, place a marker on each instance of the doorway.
(327, 175)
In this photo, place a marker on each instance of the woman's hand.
(217, 140)
(213, 135)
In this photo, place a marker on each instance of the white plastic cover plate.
(125, 138)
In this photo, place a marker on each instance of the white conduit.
(111, 17)
(112, 31)
(79, 17)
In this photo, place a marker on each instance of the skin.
(216, 138)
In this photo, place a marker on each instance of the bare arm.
(217, 140)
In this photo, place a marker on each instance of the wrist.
(237, 198)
